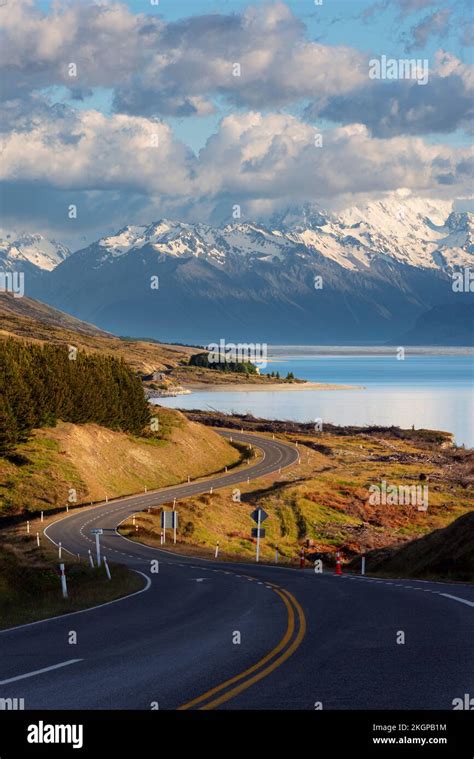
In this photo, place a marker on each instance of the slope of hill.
(366, 274)
(19, 315)
(447, 553)
(33, 320)
(97, 462)
(447, 324)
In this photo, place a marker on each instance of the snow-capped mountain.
(16, 249)
(420, 233)
(379, 267)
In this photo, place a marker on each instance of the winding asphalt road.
(208, 635)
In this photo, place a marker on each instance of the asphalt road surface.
(213, 635)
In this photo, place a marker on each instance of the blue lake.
(430, 391)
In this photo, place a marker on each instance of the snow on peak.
(412, 231)
(17, 248)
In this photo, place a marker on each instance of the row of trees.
(202, 359)
(40, 384)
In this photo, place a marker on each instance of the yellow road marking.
(284, 595)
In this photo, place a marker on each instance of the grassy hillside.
(96, 462)
(32, 320)
(447, 553)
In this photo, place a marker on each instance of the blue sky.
(163, 74)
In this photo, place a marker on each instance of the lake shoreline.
(271, 387)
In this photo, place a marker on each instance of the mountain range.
(369, 274)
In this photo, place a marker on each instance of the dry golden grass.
(99, 462)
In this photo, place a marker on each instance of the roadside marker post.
(67, 509)
(257, 555)
(217, 550)
(97, 532)
(27, 528)
(362, 569)
(63, 580)
(338, 570)
(133, 520)
(91, 560)
(38, 539)
(107, 570)
(42, 517)
(161, 538)
(60, 549)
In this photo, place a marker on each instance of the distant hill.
(17, 315)
(447, 324)
(446, 553)
(29, 319)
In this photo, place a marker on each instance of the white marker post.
(362, 569)
(63, 580)
(42, 517)
(133, 520)
(175, 524)
(67, 507)
(217, 550)
(107, 570)
(91, 560)
(60, 549)
(97, 532)
(27, 528)
(161, 538)
(257, 556)
(38, 539)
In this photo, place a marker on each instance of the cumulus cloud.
(128, 165)
(275, 156)
(174, 68)
(389, 108)
(272, 159)
(87, 150)
(258, 59)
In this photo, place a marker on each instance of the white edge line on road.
(83, 611)
(40, 671)
(456, 598)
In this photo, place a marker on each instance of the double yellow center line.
(295, 632)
